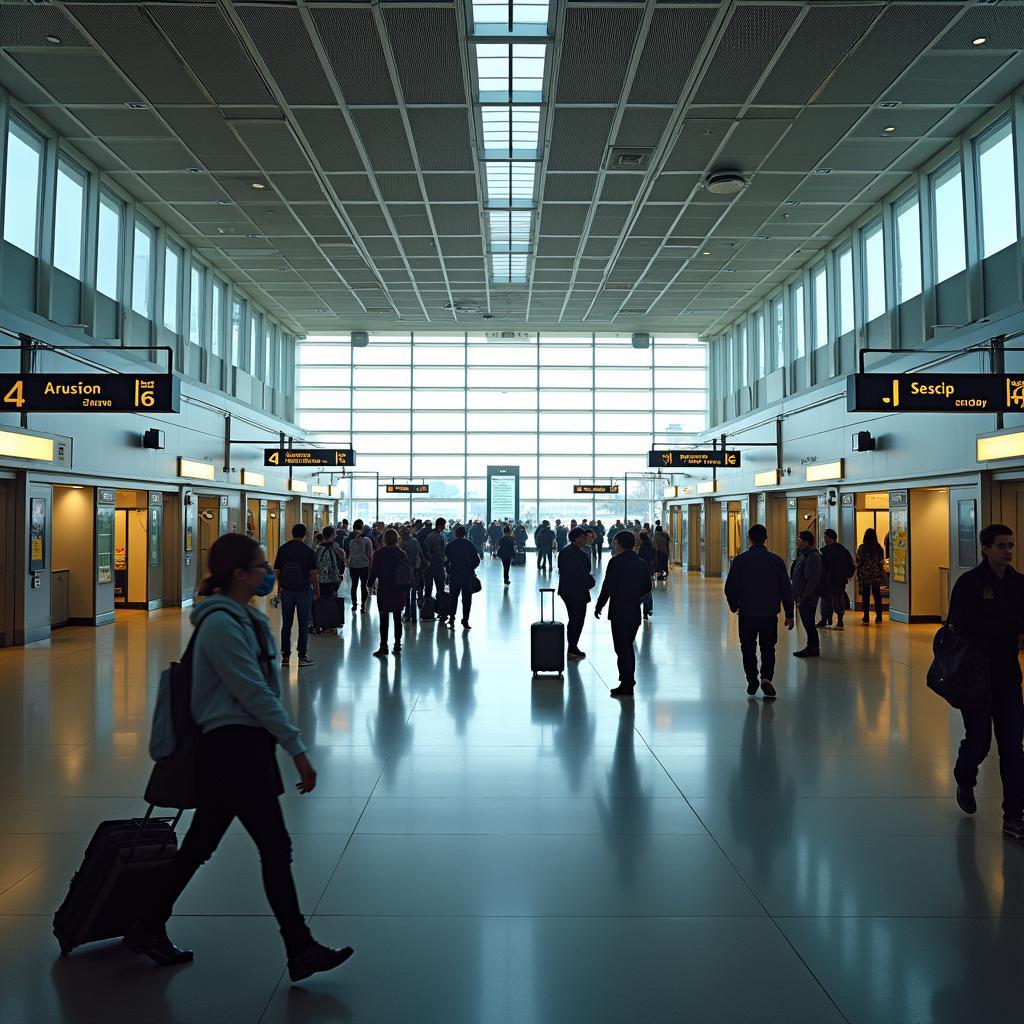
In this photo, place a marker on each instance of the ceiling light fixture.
(136, 105)
(889, 130)
(980, 41)
(193, 170)
(725, 183)
(791, 202)
(707, 252)
(822, 170)
(53, 40)
(258, 185)
(223, 202)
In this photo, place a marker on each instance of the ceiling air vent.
(725, 183)
(628, 158)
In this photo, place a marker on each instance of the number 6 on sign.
(144, 398)
(16, 395)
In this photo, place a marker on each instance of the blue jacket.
(229, 685)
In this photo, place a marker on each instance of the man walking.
(574, 583)
(806, 574)
(837, 570)
(462, 560)
(626, 582)
(298, 585)
(987, 609)
(433, 551)
(544, 538)
(756, 587)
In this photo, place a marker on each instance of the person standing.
(574, 585)
(390, 563)
(986, 608)
(411, 547)
(837, 570)
(462, 561)
(870, 575)
(477, 536)
(298, 585)
(236, 703)
(433, 551)
(544, 538)
(660, 542)
(330, 569)
(494, 533)
(521, 536)
(626, 581)
(599, 533)
(756, 587)
(360, 553)
(561, 535)
(806, 575)
(505, 549)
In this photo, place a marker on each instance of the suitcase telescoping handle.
(142, 828)
(543, 591)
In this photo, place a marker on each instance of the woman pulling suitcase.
(236, 691)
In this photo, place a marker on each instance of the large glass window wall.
(440, 409)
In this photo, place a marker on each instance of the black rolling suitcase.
(519, 558)
(330, 612)
(445, 603)
(116, 875)
(547, 640)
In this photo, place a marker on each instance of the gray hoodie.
(229, 686)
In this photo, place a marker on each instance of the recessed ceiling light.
(193, 170)
(791, 202)
(889, 130)
(136, 105)
(822, 170)
(980, 41)
(253, 236)
(726, 183)
(707, 252)
(53, 40)
(728, 270)
(258, 185)
(224, 202)
(890, 104)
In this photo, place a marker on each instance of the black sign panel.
(309, 457)
(89, 392)
(595, 489)
(694, 458)
(408, 488)
(935, 392)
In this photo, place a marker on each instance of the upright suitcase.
(117, 872)
(519, 558)
(547, 640)
(445, 603)
(428, 609)
(329, 614)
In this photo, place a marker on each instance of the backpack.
(327, 564)
(404, 576)
(293, 577)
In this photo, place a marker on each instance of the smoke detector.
(725, 183)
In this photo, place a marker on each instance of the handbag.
(959, 670)
(476, 586)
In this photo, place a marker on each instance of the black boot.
(154, 943)
(317, 958)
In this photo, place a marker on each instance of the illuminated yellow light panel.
(299, 486)
(196, 470)
(251, 479)
(1002, 446)
(336, 491)
(769, 478)
(320, 489)
(826, 471)
(26, 446)
(707, 487)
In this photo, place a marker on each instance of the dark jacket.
(433, 547)
(645, 551)
(521, 537)
(574, 579)
(870, 566)
(544, 538)
(837, 565)
(626, 581)
(462, 559)
(391, 595)
(494, 534)
(506, 548)
(477, 533)
(807, 575)
(989, 613)
(561, 537)
(758, 584)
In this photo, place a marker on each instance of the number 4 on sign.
(16, 395)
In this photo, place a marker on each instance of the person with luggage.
(434, 546)
(758, 585)
(806, 574)
(391, 579)
(462, 560)
(986, 608)
(574, 586)
(837, 568)
(411, 547)
(506, 551)
(298, 585)
(236, 703)
(870, 575)
(626, 580)
(360, 554)
(328, 611)
(521, 537)
(494, 534)
(544, 538)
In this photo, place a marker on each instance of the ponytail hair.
(229, 552)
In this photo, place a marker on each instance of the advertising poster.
(966, 540)
(105, 544)
(37, 534)
(898, 545)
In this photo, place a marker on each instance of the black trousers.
(576, 609)
(506, 564)
(758, 630)
(868, 590)
(359, 576)
(833, 600)
(544, 559)
(623, 635)
(433, 577)
(385, 618)
(599, 548)
(1006, 719)
(465, 591)
(238, 778)
(808, 607)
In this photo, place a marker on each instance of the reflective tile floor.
(501, 851)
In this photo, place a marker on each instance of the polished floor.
(501, 850)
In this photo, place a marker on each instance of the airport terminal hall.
(511, 511)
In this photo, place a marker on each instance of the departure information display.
(595, 489)
(407, 488)
(694, 458)
(309, 457)
(89, 392)
(935, 392)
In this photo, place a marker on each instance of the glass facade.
(440, 409)
(23, 187)
(108, 246)
(69, 220)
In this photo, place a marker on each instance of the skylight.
(510, 183)
(508, 268)
(510, 72)
(510, 17)
(510, 132)
(510, 230)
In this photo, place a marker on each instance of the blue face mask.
(269, 579)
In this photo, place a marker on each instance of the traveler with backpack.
(330, 569)
(462, 560)
(360, 552)
(494, 534)
(298, 585)
(236, 703)
(391, 575)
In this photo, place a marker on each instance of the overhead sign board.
(694, 458)
(308, 457)
(89, 392)
(935, 392)
(595, 489)
(408, 488)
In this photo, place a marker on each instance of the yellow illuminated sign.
(825, 471)
(26, 446)
(1001, 446)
